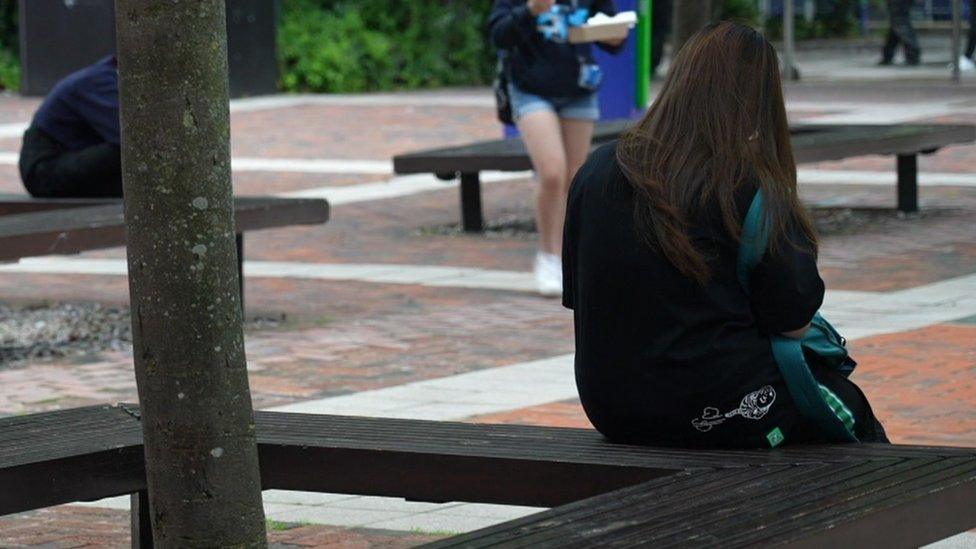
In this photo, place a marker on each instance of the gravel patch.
(840, 221)
(31, 332)
(520, 226)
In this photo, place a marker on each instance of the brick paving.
(374, 132)
(922, 385)
(340, 338)
(69, 527)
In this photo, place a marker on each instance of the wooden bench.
(601, 493)
(31, 227)
(811, 143)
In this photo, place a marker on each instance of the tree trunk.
(689, 17)
(201, 452)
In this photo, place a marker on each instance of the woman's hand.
(540, 6)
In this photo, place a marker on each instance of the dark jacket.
(661, 358)
(538, 65)
(83, 109)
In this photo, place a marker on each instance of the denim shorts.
(582, 107)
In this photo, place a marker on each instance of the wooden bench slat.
(66, 433)
(605, 509)
(70, 455)
(783, 504)
(942, 494)
(575, 444)
(616, 494)
(637, 518)
(811, 143)
(585, 520)
(753, 514)
(69, 229)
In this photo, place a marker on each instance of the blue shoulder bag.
(821, 341)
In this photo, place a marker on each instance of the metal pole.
(788, 44)
(957, 37)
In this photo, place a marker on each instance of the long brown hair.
(719, 122)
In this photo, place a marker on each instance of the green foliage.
(332, 51)
(9, 60)
(363, 45)
(835, 19)
(9, 70)
(279, 526)
(8, 26)
(745, 11)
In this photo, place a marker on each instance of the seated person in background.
(71, 149)
(670, 349)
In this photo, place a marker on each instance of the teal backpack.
(821, 343)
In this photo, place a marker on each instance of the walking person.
(674, 346)
(900, 31)
(552, 89)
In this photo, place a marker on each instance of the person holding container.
(552, 87)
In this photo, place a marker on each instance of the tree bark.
(201, 453)
(689, 17)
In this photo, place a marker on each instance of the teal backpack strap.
(788, 352)
(805, 389)
(755, 239)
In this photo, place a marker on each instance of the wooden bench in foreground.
(31, 227)
(601, 493)
(811, 143)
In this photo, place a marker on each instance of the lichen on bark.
(202, 466)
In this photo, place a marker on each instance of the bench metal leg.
(240, 266)
(141, 526)
(908, 183)
(471, 218)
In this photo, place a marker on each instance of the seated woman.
(71, 149)
(670, 349)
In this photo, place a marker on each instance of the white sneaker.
(966, 64)
(549, 274)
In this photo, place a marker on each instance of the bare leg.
(543, 139)
(577, 136)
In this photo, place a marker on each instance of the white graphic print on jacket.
(753, 406)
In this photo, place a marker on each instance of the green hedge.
(9, 60)
(835, 18)
(363, 45)
(746, 11)
(367, 45)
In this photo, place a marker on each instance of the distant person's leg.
(901, 24)
(538, 123)
(660, 27)
(49, 171)
(543, 139)
(36, 151)
(891, 41)
(94, 172)
(971, 41)
(577, 117)
(577, 136)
